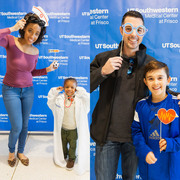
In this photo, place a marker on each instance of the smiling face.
(70, 87)
(32, 32)
(156, 81)
(131, 41)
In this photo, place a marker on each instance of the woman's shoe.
(12, 162)
(23, 161)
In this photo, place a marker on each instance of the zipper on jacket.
(110, 111)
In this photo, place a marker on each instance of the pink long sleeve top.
(20, 66)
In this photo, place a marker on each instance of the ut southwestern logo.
(106, 46)
(170, 45)
(42, 96)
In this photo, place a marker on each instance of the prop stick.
(121, 47)
(160, 130)
(56, 64)
(120, 54)
(166, 117)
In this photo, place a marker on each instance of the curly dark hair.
(33, 18)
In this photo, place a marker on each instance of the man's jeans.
(18, 103)
(107, 157)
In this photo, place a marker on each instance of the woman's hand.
(52, 67)
(19, 25)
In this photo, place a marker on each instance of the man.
(121, 86)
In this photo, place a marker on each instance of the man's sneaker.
(70, 164)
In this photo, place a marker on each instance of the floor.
(39, 149)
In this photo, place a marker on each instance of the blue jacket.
(146, 135)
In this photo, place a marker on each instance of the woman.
(17, 89)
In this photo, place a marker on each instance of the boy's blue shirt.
(146, 136)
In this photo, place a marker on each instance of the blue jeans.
(18, 103)
(107, 157)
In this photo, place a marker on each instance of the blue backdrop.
(69, 32)
(162, 40)
(70, 25)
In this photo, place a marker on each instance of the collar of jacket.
(141, 54)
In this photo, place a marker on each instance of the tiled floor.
(39, 149)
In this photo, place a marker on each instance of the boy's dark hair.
(135, 14)
(33, 18)
(154, 65)
(70, 79)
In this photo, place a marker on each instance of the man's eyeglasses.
(130, 68)
(140, 30)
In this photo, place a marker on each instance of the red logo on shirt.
(165, 116)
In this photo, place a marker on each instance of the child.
(156, 127)
(70, 111)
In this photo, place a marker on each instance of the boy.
(70, 111)
(155, 129)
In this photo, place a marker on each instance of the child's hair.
(154, 65)
(34, 18)
(70, 79)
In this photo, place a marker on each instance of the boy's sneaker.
(70, 164)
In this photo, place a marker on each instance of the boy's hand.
(162, 145)
(178, 97)
(150, 158)
(60, 88)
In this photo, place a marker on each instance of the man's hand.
(162, 145)
(150, 158)
(111, 65)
